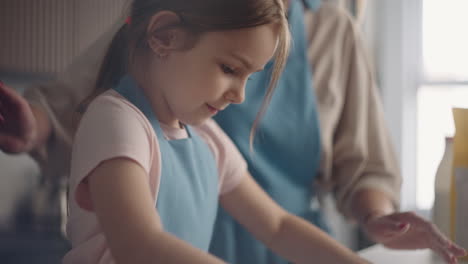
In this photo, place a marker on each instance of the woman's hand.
(409, 231)
(18, 128)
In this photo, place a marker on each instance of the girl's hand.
(18, 129)
(409, 231)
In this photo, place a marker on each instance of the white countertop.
(380, 255)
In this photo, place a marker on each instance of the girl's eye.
(226, 69)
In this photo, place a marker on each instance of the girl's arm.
(286, 234)
(125, 209)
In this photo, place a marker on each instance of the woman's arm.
(23, 126)
(43, 126)
(357, 152)
(58, 100)
(125, 209)
(369, 203)
(287, 235)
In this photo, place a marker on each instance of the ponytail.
(113, 67)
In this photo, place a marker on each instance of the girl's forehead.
(250, 46)
(261, 33)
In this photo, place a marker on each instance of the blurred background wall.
(39, 38)
(43, 36)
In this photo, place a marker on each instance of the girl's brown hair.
(197, 17)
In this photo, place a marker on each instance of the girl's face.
(193, 85)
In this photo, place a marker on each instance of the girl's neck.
(156, 99)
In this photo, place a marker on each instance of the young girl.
(149, 165)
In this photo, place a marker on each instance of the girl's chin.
(195, 122)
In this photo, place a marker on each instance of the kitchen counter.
(32, 248)
(381, 255)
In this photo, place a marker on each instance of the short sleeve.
(232, 166)
(110, 128)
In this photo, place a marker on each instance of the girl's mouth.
(212, 109)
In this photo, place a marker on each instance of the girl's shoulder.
(112, 127)
(112, 108)
(112, 103)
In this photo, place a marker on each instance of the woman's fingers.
(429, 228)
(386, 227)
(438, 241)
(449, 258)
(446, 253)
(10, 99)
(5, 94)
(2, 111)
(10, 144)
(457, 250)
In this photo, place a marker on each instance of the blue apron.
(188, 194)
(286, 153)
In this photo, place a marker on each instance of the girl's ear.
(164, 33)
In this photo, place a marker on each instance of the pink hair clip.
(128, 21)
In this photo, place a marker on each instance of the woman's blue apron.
(286, 151)
(188, 194)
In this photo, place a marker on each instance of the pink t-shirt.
(113, 127)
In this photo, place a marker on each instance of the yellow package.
(459, 189)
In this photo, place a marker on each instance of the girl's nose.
(236, 95)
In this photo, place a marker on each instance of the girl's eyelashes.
(226, 69)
